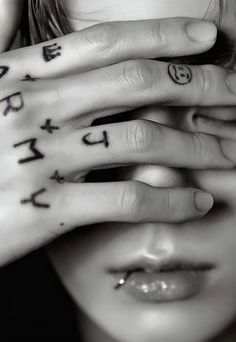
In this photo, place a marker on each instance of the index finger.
(108, 43)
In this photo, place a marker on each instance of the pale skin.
(81, 260)
(45, 128)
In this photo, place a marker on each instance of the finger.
(136, 142)
(118, 88)
(220, 128)
(127, 202)
(10, 17)
(108, 43)
(129, 85)
(47, 213)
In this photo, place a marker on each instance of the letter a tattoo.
(3, 70)
(33, 200)
(51, 51)
(14, 103)
(36, 153)
(88, 141)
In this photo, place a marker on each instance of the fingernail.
(201, 31)
(231, 82)
(203, 201)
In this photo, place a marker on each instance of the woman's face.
(191, 305)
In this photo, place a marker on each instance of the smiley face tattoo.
(180, 74)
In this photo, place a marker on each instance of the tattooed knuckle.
(101, 37)
(131, 198)
(137, 75)
(140, 135)
(52, 51)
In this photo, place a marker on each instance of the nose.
(176, 117)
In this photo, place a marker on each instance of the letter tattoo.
(59, 179)
(33, 200)
(30, 78)
(180, 74)
(3, 70)
(51, 51)
(14, 103)
(104, 141)
(36, 153)
(47, 127)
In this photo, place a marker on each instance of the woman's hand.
(49, 96)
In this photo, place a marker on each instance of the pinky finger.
(133, 201)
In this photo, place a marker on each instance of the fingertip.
(201, 31)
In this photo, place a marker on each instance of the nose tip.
(176, 117)
(159, 176)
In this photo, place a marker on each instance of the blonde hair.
(47, 20)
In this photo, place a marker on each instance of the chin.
(126, 317)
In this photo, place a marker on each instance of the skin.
(37, 205)
(82, 259)
(48, 144)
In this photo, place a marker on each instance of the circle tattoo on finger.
(180, 74)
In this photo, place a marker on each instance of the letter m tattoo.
(36, 154)
(14, 103)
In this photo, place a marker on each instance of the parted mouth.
(169, 280)
(163, 266)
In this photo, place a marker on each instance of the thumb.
(10, 18)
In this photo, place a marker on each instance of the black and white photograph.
(118, 170)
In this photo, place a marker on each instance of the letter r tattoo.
(14, 103)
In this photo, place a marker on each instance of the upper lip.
(146, 264)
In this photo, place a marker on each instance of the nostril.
(188, 120)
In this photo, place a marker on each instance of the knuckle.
(131, 198)
(101, 37)
(202, 81)
(157, 36)
(137, 74)
(200, 147)
(171, 202)
(140, 135)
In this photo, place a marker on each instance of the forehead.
(84, 13)
(136, 8)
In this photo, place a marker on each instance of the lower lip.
(163, 287)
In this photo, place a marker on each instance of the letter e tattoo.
(51, 51)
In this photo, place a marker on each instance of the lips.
(170, 281)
